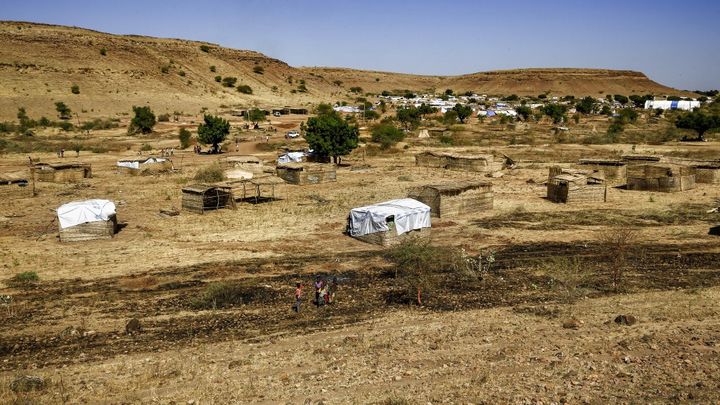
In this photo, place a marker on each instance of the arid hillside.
(40, 64)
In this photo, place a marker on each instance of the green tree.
(218, 78)
(408, 116)
(213, 131)
(425, 109)
(356, 89)
(621, 99)
(524, 111)
(463, 112)
(448, 92)
(184, 137)
(258, 69)
(331, 136)
(64, 112)
(450, 117)
(143, 121)
(699, 121)
(387, 134)
(606, 110)
(555, 111)
(245, 89)
(586, 105)
(255, 115)
(213, 68)
(628, 115)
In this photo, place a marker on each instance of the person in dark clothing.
(318, 291)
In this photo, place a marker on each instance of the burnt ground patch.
(170, 319)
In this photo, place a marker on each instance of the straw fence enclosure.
(451, 161)
(199, 198)
(660, 177)
(391, 238)
(90, 231)
(61, 172)
(572, 186)
(454, 199)
(615, 170)
(306, 173)
(706, 173)
(639, 159)
(257, 189)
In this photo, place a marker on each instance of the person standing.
(318, 291)
(332, 290)
(298, 297)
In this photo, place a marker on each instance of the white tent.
(291, 157)
(80, 212)
(686, 105)
(408, 215)
(135, 164)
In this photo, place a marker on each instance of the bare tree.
(618, 242)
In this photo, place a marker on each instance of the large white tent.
(686, 105)
(408, 215)
(80, 212)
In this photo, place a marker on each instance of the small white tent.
(406, 213)
(80, 212)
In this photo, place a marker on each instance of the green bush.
(386, 134)
(103, 51)
(210, 174)
(143, 121)
(25, 278)
(146, 148)
(99, 123)
(218, 78)
(212, 68)
(229, 81)
(165, 69)
(205, 48)
(184, 137)
(163, 117)
(75, 89)
(245, 89)
(181, 73)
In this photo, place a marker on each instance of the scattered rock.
(628, 320)
(133, 326)
(571, 324)
(27, 383)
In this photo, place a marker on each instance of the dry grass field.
(537, 328)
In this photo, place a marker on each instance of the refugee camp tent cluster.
(389, 222)
(686, 105)
(87, 220)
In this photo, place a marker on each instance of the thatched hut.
(660, 177)
(452, 161)
(708, 173)
(572, 188)
(60, 172)
(306, 173)
(199, 198)
(87, 220)
(147, 166)
(390, 222)
(612, 169)
(457, 198)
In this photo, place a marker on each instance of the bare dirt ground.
(496, 339)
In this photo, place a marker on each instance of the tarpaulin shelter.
(87, 220)
(384, 223)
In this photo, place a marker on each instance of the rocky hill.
(39, 64)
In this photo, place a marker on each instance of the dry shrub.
(618, 242)
(568, 274)
(223, 295)
(210, 174)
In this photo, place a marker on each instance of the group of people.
(324, 292)
(167, 152)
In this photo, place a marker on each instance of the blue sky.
(674, 42)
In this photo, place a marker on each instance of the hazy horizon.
(674, 45)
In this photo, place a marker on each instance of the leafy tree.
(512, 97)
(524, 111)
(385, 93)
(621, 99)
(586, 105)
(409, 94)
(555, 111)
(448, 92)
(229, 81)
(205, 48)
(103, 51)
(255, 115)
(213, 131)
(331, 136)
(408, 116)
(606, 110)
(639, 101)
(425, 109)
(323, 109)
(184, 137)
(699, 121)
(628, 115)
(386, 134)
(213, 68)
(463, 112)
(356, 89)
(370, 115)
(64, 112)
(143, 121)
(674, 98)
